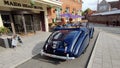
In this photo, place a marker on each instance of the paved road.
(46, 62)
(106, 53)
(109, 29)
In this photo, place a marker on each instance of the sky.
(92, 4)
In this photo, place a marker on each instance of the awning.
(50, 2)
(68, 15)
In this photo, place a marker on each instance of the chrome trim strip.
(55, 56)
(75, 41)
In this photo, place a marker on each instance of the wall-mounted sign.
(17, 4)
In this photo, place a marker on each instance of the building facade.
(115, 5)
(23, 16)
(103, 6)
(68, 6)
(107, 16)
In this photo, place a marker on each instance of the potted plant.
(4, 30)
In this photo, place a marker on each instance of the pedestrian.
(117, 23)
(70, 23)
(63, 21)
(107, 23)
(15, 40)
(113, 23)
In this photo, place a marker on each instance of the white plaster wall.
(46, 18)
(1, 22)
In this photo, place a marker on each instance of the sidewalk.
(106, 53)
(9, 58)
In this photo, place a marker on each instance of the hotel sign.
(18, 4)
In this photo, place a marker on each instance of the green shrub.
(50, 24)
(4, 30)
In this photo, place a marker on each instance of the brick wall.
(66, 3)
(104, 19)
(115, 4)
(71, 4)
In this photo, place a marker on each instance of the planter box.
(4, 41)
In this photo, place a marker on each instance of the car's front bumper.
(56, 56)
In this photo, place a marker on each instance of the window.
(58, 12)
(67, 9)
(103, 8)
(74, 10)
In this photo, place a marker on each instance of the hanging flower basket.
(72, 11)
(65, 10)
(49, 6)
(61, 9)
(55, 9)
(32, 2)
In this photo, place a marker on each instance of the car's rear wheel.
(84, 51)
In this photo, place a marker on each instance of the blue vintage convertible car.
(67, 43)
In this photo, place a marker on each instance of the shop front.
(22, 16)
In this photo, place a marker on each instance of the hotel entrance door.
(6, 21)
(18, 23)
